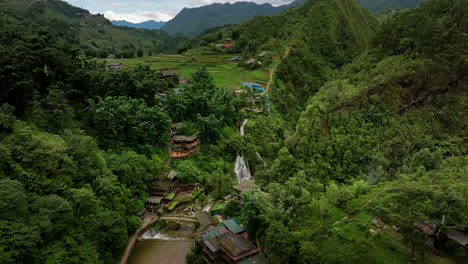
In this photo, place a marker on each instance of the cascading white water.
(241, 167)
(156, 235)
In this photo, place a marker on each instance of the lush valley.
(358, 144)
(94, 35)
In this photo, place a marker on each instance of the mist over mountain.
(150, 24)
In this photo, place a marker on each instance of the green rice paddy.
(224, 73)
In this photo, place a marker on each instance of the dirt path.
(150, 219)
(272, 71)
(175, 218)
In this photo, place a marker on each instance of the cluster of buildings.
(163, 190)
(227, 242)
(166, 190)
(182, 145)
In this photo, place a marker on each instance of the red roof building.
(227, 45)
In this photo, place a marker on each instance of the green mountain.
(193, 21)
(379, 152)
(93, 34)
(151, 24)
(377, 6)
(363, 157)
(322, 36)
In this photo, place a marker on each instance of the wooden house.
(235, 248)
(183, 146)
(168, 74)
(114, 66)
(243, 186)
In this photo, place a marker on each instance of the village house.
(162, 190)
(205, 219)
(183, 146)
(241, 187)
(228, 244)
(237, 58)
(114, 66)
(459, 238)
(168, 74)
(263, 54)
(251, 61)
(257, 88)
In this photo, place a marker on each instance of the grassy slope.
(225, 74)
(96, 32)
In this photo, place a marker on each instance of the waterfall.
(156, 235)
(241, 167)
(242, 127)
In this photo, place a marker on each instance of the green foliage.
(377, 6)
(124, 122)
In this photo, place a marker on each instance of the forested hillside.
(323, 36)
(362, 156)
(379, 152)
(377, 6)
(79, 144)
(193, 21)
(93, 34)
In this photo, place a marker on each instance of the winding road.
(272, 71)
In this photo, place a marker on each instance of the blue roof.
(233, 225)
(262, 54)
(252, 85)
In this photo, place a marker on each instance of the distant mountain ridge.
(150, 24)
(378, 6)
(193, 21)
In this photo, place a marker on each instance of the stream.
(241, 167)
(168, 246)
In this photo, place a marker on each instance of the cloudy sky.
(143, 10)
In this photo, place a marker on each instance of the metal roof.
(214, 233)
(233, 225)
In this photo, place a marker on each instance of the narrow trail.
(272, 71)
(151, 219)
(175, 218)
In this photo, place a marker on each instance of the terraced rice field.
(224, 73)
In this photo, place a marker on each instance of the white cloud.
(193, 3)
(131, 10)
(138, 16)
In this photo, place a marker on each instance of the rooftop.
(244, 186)
(457, 236)
(214, 233)
(233, 225)
(250, 61)
(168, 73)
(154, 200)
(235, 245)
(184, 138)
(161, 185)
(205, 218)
